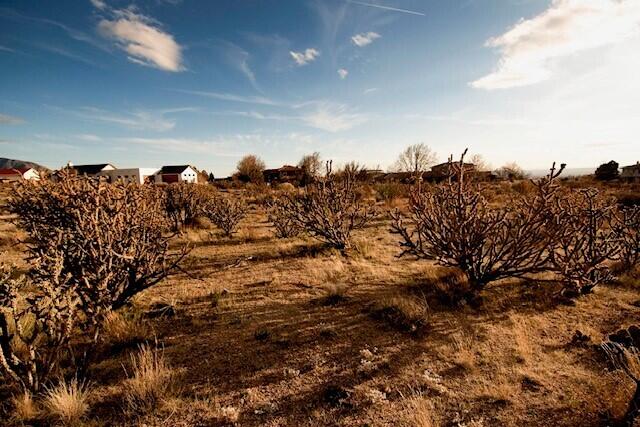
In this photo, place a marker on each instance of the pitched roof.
(637, 165)
(90, 169)
(9, 172)
(174, 169)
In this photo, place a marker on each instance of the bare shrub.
(183, 203)
(416, 159)
(34, 327)
(454, 225)
(328, 209)
(108, 241)
(586, 241)
(226, 213)
(626, 225)
(284, 224)
(67, 402)
(150, 381)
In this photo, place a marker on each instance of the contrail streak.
(395, 9)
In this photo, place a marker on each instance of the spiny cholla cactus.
(586, 240)
(34, 327)
(329, 209)
(284, 224)
(225, 212)
(454, 225)
(183, 203)
(109, 240)
(626, 225)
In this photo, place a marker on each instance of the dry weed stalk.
(454, 225)
(586, 241)
(226, 213)
(329, 209)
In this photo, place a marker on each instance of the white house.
(135, 175)
(169, 174)
(18, 174)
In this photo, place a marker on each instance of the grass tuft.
(67, 402)
(151, 380)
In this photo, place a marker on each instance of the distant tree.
(416, 159)
(352, 169)
(480, 163)
(311, 165)
(511, 171)
(211, 177)
(250, 169)
(607, 171)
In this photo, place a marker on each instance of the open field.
(259, 331)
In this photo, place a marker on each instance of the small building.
(90, 170)
(287, 173)
(132, 175)
(631, 173)
(443, 170)
(171, 174)
(19, 174)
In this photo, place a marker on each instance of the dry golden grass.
(122, 330)
(25, 408)
(67, 402)
(150, 381)
(508, 362)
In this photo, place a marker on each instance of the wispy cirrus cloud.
(331, 117)
(389, 8)
(238, 58)
(303, 58)
(259, 100)
(343, 73)
(364, 39)
(6, 119)
(531, 49)
(140, 120)
(142, 38)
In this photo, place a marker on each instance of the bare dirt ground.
(268, 332)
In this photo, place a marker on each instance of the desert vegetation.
(342, 301)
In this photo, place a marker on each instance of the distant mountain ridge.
(12, 163)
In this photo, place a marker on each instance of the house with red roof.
(18, 174)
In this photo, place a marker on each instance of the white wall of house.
(187, 175)
(135, 175)
(31, 174)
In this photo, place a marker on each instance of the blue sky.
(150, 83)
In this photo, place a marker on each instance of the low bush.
(454, 225)
(226, 213)
(329, 209)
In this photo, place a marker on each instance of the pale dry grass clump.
(67, 402)
(421, 412)
(464, 356)
(151, 380)
(25, 408)
(122, 331)
(404, 313)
